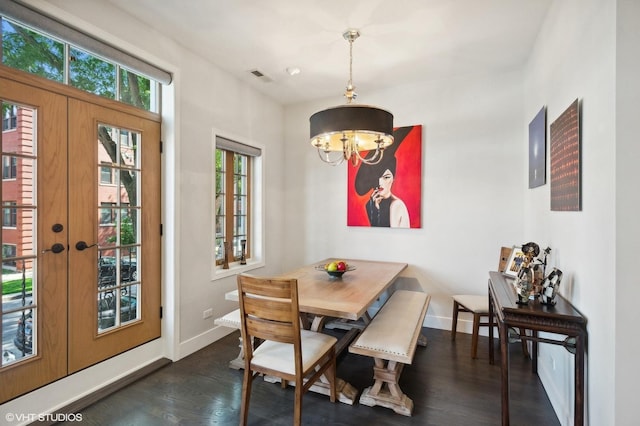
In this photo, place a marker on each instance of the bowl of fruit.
(336, 268)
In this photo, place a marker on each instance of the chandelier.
(351, 132)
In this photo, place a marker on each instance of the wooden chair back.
(269, 310)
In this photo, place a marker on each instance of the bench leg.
(386, 391)
(238, 362)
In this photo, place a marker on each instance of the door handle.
(81, 245)
(56, 248)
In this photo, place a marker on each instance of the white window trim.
(257, 212)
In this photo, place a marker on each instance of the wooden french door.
(80, 232)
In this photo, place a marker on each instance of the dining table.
(323, 298)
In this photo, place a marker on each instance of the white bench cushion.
(393, 332)
(231, 320)
(477, 304)
(279, 356)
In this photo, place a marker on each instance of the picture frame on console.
(515, 260)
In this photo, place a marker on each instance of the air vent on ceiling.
(261, 76)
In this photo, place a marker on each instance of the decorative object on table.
(565, 160)
(538, 149)
(243, 257)
(227, 255)
(524, 283)
(550, 287)
(348, 131)
(515, 260)
(526, 279)
(336, 268)
(388, 194)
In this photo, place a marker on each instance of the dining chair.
(478, 306)
(269, 314)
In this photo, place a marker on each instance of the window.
(9, 251)
(235, 202)
(9, 167)
(107, 214)
(106, 175)
(9, 215)
(9, 117)
(42, 54)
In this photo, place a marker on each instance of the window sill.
(235, 269)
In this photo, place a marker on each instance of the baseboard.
(204, 339)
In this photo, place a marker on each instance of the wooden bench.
(391, 339)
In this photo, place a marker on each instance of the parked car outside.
(107, 270)
(107, 310)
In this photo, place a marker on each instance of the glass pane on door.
(118, 180)
(19, 288)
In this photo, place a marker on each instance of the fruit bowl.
(337, 272)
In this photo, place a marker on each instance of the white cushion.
(231, 320)
(392, 329)
(279, 356)
(477, 304)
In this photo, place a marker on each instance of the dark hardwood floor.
(445, 384)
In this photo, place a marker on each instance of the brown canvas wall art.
(565, 160)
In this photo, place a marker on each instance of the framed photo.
(515, 260)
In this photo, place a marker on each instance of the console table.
(562, 318)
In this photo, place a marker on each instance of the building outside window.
(9, 215)
(9, 167)
(9, 117)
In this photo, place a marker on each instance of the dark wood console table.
(562, 319)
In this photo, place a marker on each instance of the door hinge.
(160, 312)
(161, 230)
(161, 147)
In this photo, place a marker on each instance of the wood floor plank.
(446, 385)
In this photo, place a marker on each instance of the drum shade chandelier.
(357, 132)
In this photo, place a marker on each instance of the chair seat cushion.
(477, 304)
(279, 356)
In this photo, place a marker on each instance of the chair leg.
(246, 396)
(297, 409)
(454, 321)
(474, 336)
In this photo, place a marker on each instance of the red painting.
(388, 194)
(565, 160)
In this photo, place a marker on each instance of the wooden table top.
(347, 297)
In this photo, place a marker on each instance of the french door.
(80, 232)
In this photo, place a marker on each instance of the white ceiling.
(401, 41)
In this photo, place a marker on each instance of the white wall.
(201, 98)
(574, 57)
(627, 291)
(472, 187)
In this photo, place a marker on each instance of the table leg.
(504, 372)
(534, 352)
(491, 356)
(579, 381)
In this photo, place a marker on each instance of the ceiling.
(402, 41)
